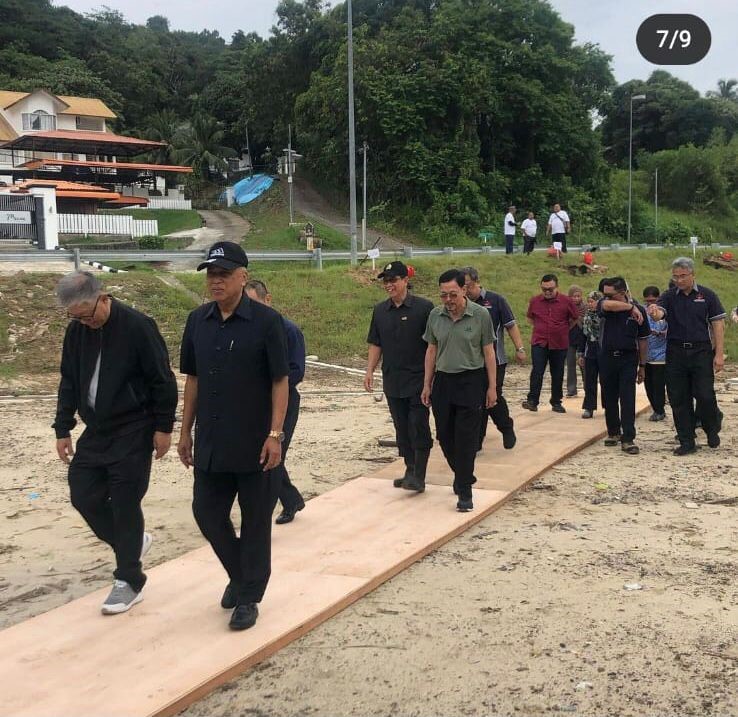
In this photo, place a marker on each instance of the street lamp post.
(630, 162)
(352, 133)
(364, 150)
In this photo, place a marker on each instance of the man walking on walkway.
(459, 364)
(502, 318)
(552, 315)
(115, 374)
(396, 337)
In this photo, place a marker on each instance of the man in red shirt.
(552, 315)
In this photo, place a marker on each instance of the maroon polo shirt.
(550, 319)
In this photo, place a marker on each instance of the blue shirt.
(295, 352)
(657, 340)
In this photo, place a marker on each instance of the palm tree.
(165, 127)
(726, 90)
(200, 145)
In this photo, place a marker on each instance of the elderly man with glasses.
(115, 375)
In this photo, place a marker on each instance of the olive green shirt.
(460, 343)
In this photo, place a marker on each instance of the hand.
(369, 382)
(636, 315)
(718, 363)
(162, 441)
(64, 449)
(652, 310)
(184, 450)
(271, 454)
(425, 396)
(734, 316)
(641, 374)
(491, 397)
(580, 361)
(520, 356)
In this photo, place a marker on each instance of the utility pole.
(656, 203)
(289, 167)
(364, 149)
(630, 161)
(248, 152)
(352, 133)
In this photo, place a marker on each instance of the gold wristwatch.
(279, 435)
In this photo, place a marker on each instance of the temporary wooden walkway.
(175, 646)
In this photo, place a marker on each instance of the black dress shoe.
(288, 514)
(413, 483)
(558, 408)
(464, 505)
(530, 406)
(684, 449)
(397, 482)
(229, 601)
(244, 616)
(713, 440)
(509, 439)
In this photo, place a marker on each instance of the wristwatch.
(279, 435)
(520, 349)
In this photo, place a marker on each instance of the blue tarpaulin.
(250, 188)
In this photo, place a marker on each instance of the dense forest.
(467, 105)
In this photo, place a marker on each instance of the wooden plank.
(175, 647)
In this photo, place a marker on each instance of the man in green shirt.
(460, 380)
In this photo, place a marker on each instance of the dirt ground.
(526, 613)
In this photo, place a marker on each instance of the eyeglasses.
(450, 295)
(390, 279)
(677, 277)
(547, 289)
(89, 317)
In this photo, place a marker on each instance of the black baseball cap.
(393, 269)
(226, 255)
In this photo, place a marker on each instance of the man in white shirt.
(530, 229)
(558, 226)
(510, 227)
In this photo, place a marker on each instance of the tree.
(726, 90)
(201, 148)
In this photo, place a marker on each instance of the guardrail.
(317, 256)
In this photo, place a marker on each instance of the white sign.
(694, 240)
(15, 217)
(373, 253)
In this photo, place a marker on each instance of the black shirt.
(398, 331)
(235, 361)
(501, 315)
(619, 331)
(689, 315)
(136, 386)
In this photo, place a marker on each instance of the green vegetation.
(170, 220)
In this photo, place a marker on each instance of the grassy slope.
(170, 220)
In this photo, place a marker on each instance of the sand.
(525, 613)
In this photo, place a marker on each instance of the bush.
(151, 243)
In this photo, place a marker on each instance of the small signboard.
(694, 241)
(15, 217)
(373, 254)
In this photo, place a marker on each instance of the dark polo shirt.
(235, 361)
(398, 331)
(501, 315)
(619, 331)
(689, 315)
(550, 319)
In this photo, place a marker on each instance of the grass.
(270, 230)
(170, 220)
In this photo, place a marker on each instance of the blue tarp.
(249, 189)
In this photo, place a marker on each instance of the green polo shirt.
(459, 343)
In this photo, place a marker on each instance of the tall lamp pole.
(364, 150)
(352, 134)
(630, 162)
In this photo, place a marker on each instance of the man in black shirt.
(115, 374)
(396, 336)
(623, 352)
(696, 320)
(234, 353)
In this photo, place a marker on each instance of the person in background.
(576, 341)
(529, 227)
(289, 496)
(558, 227)
(588, 357)
(655, 376)
(510, 227)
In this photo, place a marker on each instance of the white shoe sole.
(120, 607)
(148, 540)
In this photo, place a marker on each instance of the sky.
(612, 24)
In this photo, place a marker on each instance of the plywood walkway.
(175, 646)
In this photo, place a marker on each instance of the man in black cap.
(234, 353)
(396, 336)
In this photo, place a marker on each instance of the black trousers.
(500, 412)
(458, 400)
(690, 378)
(555, 358)
(289, 496)
(655, 383)
(108, 478)
(618, 373)
(562, 239)
(528, 244)
(246, 558)
(591, 380)
(412, 426)
(509, 243)
(571, 370)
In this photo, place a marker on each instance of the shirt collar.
(468, 311)
(243, 310)
(407, 301)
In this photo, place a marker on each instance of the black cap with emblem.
(393, 269)
(226, 255)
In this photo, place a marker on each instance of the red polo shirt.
(551, 320)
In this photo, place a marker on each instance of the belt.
(690, 344)
(619, 352)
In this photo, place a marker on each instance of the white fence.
(107, 224)
(163, 203)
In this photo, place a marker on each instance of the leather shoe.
(558, 408)
(288, 514)
(684, 450)
(229, 601)
(530, 406)
(397, 482)
(244, 616)
(713, 440)
(412, 483)
(464, 505)
(586, 413)
(509, 439)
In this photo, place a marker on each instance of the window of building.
(38, 120)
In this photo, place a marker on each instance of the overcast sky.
(610, 23)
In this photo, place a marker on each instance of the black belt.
(690, 344)
(619, 352)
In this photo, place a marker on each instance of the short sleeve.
(507, 318)
(600, 310)
(373, 336)
(715, 310)
(529, 314)
(488, 331)
(187, 360)
(644, 329)
(429, 335)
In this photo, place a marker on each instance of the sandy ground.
(526, 613)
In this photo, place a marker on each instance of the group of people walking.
(243, 362)
(558, 226)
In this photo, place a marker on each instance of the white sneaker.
(122, 597)
(146, 545)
